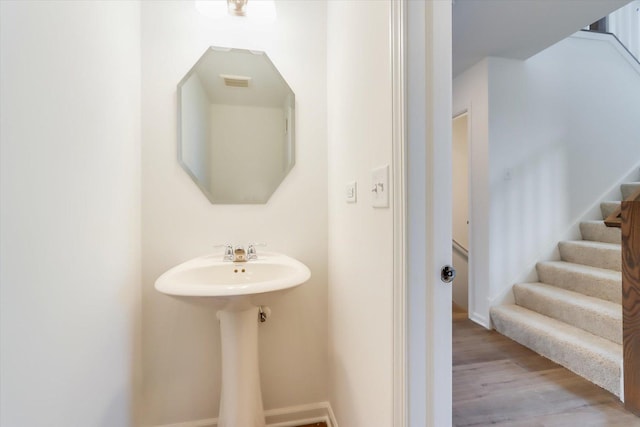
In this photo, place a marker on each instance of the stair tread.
(595, 358)
(600, 317)
(576, 299)
(594, 221)
(592, 244)
(585, 269)
(607, 349)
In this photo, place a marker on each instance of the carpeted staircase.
(573, 315)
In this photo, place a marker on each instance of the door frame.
(421, 34)
(398, 93)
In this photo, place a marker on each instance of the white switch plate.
(351, 195)
(380, 187)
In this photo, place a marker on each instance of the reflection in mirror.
(236, 133)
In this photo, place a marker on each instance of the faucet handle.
(228, 251)
(251, 250)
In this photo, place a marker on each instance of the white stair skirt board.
(573, 314)
(282, 417)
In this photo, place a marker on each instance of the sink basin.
(210, 276)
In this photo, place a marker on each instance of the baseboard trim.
(281, 417)
(300, 415)
(480, 319)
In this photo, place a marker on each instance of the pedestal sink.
(234, 283)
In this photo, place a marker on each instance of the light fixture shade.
(256, 11)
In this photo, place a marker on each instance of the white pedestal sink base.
(241, 398)
(233, 284)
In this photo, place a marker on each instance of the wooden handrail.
(630, 224)
(627, 217)
(615, 219)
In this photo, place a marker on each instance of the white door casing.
(428, 213)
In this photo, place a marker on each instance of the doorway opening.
(460, 211)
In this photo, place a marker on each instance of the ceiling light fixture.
(237, 7)
(256, 11)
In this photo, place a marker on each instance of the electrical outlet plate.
(380, 187)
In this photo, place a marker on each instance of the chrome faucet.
(251, 250)
(238, 254)
(228, 252)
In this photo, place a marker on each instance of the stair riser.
(607, 208)
(603, 324)
(608, 258)
(629, 188)
(605, 288)
(599, 232)
(601, 371)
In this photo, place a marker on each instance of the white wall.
(360, 237)
(563, 129)
(69, 212)
(181, 343)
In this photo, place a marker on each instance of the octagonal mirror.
(236, 133)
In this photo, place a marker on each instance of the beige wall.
(181, 343)
(360, 237)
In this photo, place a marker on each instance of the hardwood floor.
(497, 381)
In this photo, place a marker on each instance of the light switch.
(351, 195)
(380, 187)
